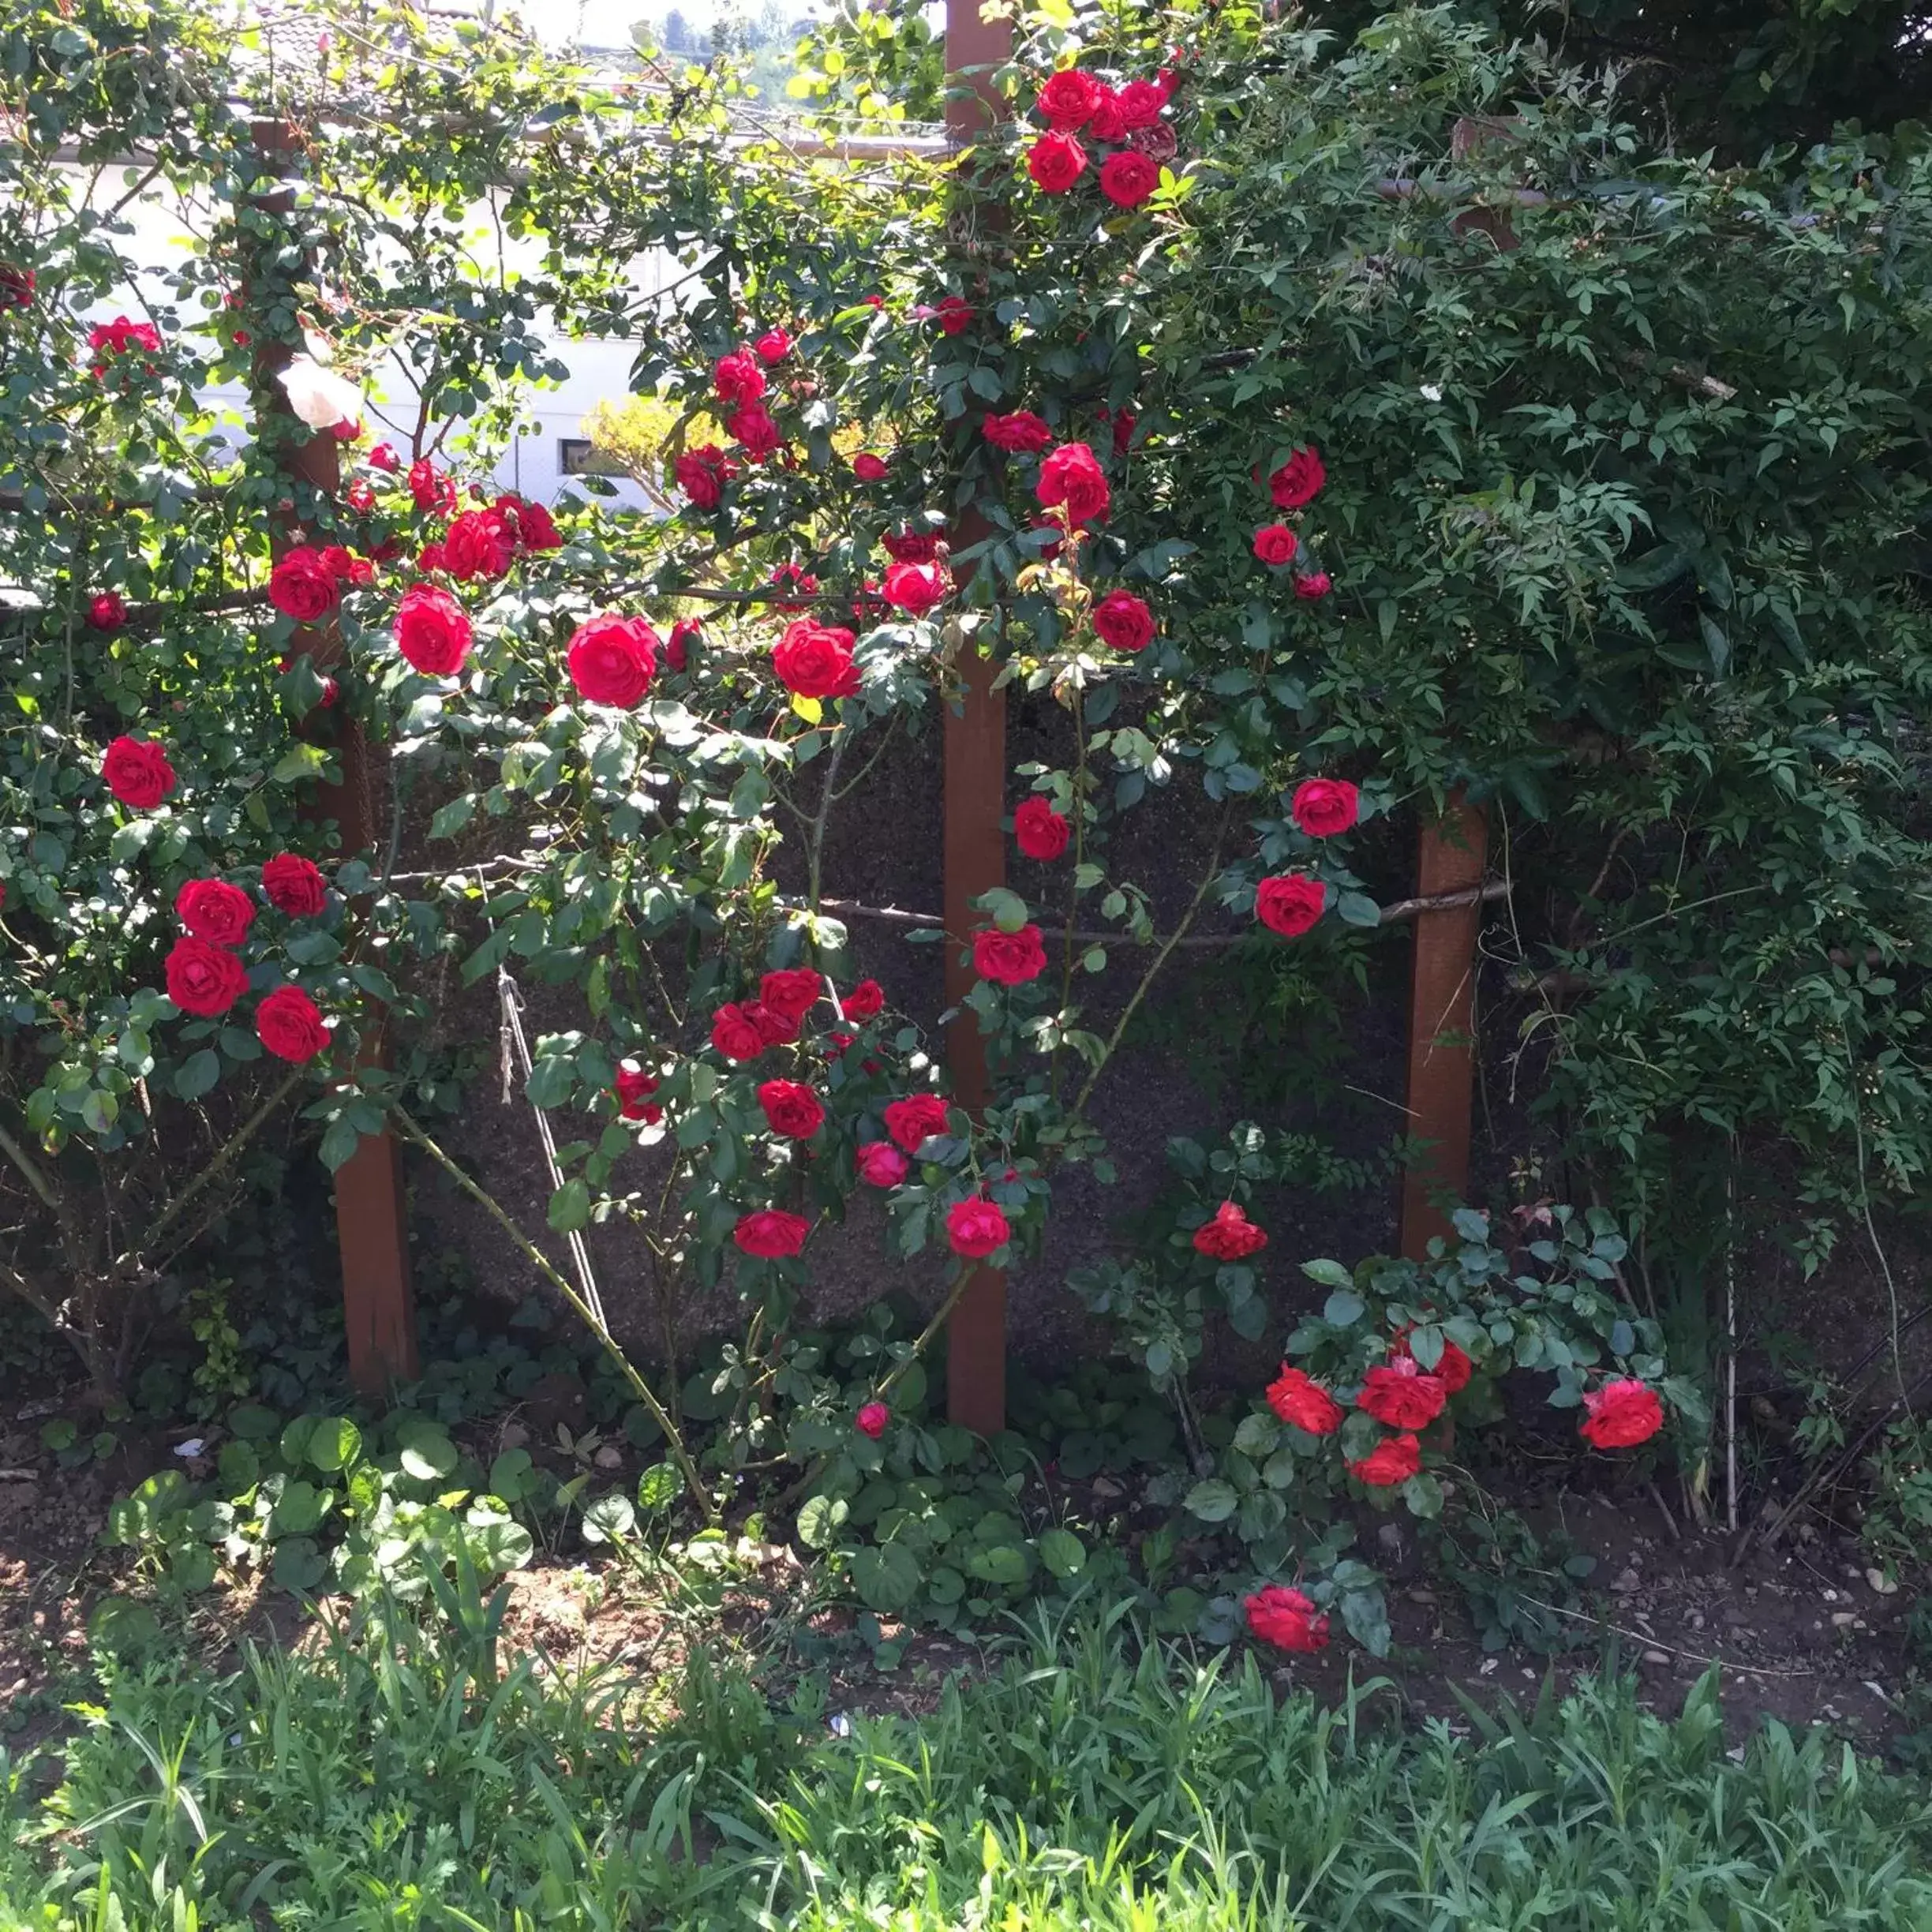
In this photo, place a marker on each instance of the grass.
(393, 1776)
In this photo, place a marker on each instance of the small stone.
(1390, 1537)
(1831, 1596)
(1884, 1585)
(1626, 1581)
(1840, 1618)
(515, 1435)
(1697, 1620)
(1655, 1657)
(609, 1458)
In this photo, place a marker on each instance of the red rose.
(204, 980)
(1621, 1415)
(815, 660)
(1040, 831)
(634, 1089)
(734, 1034)
(16, 287)
(1395, 1460)
(686, 632)
(106, 611)
(1107, 124)
(429, 488)
(1298, 480)
(536, 529)
(1072, 476)
(293, 885)
(912, 546)
(432, 630)
(913, 1122)
(288, 1024)
(1298, 1397)
(954, 314)
(383, 457)
(1287, 1620)
(1140, 103)
(1324, 806)
(975, 1227)
(1124, 422)
(702, 473)
(790, 1109)
(1312, 588)
(796, 578)
(429, 558)
(916, 588)
(478, 544)
(738, 379)
(1158, 142)
(137, 773)
(1290, 903)
(1017, 430)
(752, 427)
(362, 495)
(775, 1028)
(1128, 179)
(1068, 100)
(1009, 959)
(1230, 1236)
(881, 1165)
(871, 469)
(337, 561)
(866, 1001)
(1056, 162)
(613, 659)
(1122, 621)
(793, 991)
(113, 340)
(213, 909)
(771, 1233)
(1453, 1368)
(302, 585)
(773, 346)
(1275, 543)
(1399, 1394)
(871, 1420)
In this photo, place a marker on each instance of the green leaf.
(609, 1518)
(887, 1578)
(197, 1074)
(1343, 1307)
(1423, 1494)
(428, 1455)
(299, 1564)
(1062, 1552)
(301, 1506)
(334, 1443)
(1213, 1501)
(820, 1520)
(1355, 908)
(570, 1206)
(300, 761)
(659, 1487)
(1002, 1564)
(1328, 1274)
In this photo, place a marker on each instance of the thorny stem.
(1079, 854)
(535, 1256)
(223, 1155)
(814, 851)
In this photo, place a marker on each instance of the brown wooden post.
(372, 1228)
(1442, 1010)
(974, 799)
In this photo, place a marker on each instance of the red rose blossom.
(1055, 161)
(106, 611)
(16, 287)
(1394, 1460)
(1009, 958)
(1230, 1236)
(815, 660)
(1324, 806)
(738, 378)
(1311, 588)
(735, 1034)
(213, 909)
(793, 990)
(478, 544)
(634, 1088)
(686, 632)
(872, 1419)
(1287, 1620)
(775, 1028)
(288, 1024)
(790, 1109)
(881, 1165)
(1122, 622)
(1073, 476)
(301, 584)
(954, 314)
(362, 495)
(1276, 544)
(1107, 124)
(1399, 1394)
(292, 885)
(1140, 103)
(1621, 1414)
(1453, 1368)
(1296, 1397)
(752, 427)
(869, 468)
(1017, 431)
(432, 630)
(536, 528)
(1068, 100)
(383, 457)
(866, 1001)
(1040, 832)
(771, 1233)
(1299, 481)
(204, 980)
(1128, 179)
(428, 489)
(773, 346)
(916, 588)
(913, 1122)
(613, 659)
(1291, 903)
(913, 546)
(702, 473)
(975, 1228)
(138, 772)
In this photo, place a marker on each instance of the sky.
(607, 23)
